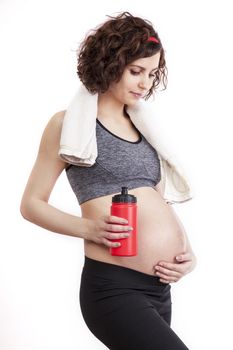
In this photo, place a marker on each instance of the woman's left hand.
(173, 272)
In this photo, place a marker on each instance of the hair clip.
(152, 38)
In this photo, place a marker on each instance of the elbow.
(24, 210)
(27, 208)
(30, 208)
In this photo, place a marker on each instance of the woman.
(125, 301)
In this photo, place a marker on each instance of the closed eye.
(133, 72)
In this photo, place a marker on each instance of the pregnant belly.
(161, 235)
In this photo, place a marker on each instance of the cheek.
(123, 88)
(131, 78)
(130, 81)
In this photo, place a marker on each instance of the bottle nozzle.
(124, 190)
(124, 197)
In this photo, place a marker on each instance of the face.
(136, 81)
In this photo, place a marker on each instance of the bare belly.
(161, 235)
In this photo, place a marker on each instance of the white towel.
(78, 143)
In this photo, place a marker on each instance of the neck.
(110, 108)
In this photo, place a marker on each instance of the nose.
(145, 83)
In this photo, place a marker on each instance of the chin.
(131, 103)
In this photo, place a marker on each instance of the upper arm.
(48, 165)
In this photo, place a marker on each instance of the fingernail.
(179, 258)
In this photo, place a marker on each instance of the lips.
(136, 94)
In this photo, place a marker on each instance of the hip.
(106, 288)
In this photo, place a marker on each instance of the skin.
(48, 165)
(134, 79)
(138, 77)
(173, 272)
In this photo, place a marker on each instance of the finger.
(110, 244)
(115, 219)
(184, 257)
(169, 266)
(117, 235)
(163, 273)
(167, 271)
(116, 228)
(166, 281)
(183, 269)
(170, 278)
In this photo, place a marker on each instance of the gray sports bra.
(119, 163)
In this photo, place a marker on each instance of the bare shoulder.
(50, 140)
(56, 121)
(59, 116)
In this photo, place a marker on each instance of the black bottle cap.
(124, 197)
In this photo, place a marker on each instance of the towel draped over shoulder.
(78, 144)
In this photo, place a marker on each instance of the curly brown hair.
(107, 49)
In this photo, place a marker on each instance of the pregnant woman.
(125, 301)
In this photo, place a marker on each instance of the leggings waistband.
(120, 273)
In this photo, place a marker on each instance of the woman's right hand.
(106, 228)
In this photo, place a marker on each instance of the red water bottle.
(124, 205)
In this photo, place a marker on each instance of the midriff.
(161, 236)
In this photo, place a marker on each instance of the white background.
(40, 270)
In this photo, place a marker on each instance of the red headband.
(152, 38)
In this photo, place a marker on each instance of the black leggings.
(127, 309)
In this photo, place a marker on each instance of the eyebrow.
(135, 65)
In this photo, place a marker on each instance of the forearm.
(47, 216)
